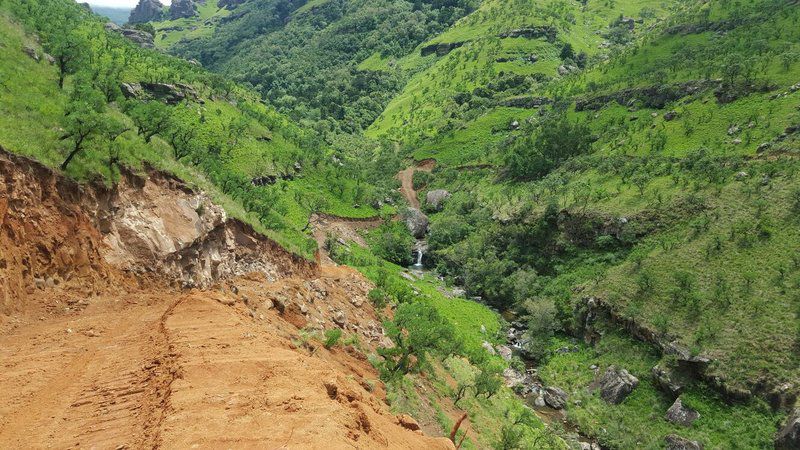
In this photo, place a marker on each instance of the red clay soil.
(96, 356)
(406, 178)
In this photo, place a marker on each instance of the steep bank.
(102, 346)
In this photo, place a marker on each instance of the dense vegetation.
(303, 56)
(217, 134)
(624, 181)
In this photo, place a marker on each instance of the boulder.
(554, 397)
(436, 198)
(666, 381)
(407, 422)
(675, 442)
(670, 115)
(616, 384)
(680, 414)
(416, 222)
(170, 94)
(505, 352)
(488, 347)
(789, 436)
(146, 11)
(141, 38)
(181, 9)
(31, 52)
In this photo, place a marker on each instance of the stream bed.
(529, 387)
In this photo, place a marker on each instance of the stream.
(532, 389)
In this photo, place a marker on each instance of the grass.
(638, 422)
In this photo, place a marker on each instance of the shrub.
(378, 297)
(332, 337)
(394, 243)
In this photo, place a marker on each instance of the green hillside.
(221, 138)
(623, 181)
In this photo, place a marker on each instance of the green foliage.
(332, 337)
(392, 242)
(556, 140)
(417, 329)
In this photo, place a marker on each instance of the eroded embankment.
(141, 316)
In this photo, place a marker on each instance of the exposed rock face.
(680, 414)
(656, 96)
(146, 11)
(675, 442)
(417, 222)
(142, 38)
(528, 102)
(616, 384)
(182, 8)
(440, 49)
(229, 4)
(170, 94)
(436, 198)
(666, 381)
(546, 32)
(789, 436)
(555, 397)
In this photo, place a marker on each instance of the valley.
(477, 224)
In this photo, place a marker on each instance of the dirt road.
(406, 178)
(185, 370)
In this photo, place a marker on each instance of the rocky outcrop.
(555, 397)
(675, 442)
(667, 381)
(31, 52)
(171, 94)
(680, 414)
(436, 198)
(146, 11)
(546, 32)
(615, 385)
(229, 4)
(788, 437)
(141, 38)
(181, 9)
(656, 96)
(416, 222)
(440, 49)
(527, 102)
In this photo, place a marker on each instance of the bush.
(332, 337)
(378, 297)
(394, 243)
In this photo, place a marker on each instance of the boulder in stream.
(555, 397)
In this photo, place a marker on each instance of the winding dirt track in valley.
(406, 178)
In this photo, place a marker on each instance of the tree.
(488, 381)
(151, 118)
(417, 329)
(556, 140)
(181, 131)
(68, 49)
(542, 323)
(84, 119)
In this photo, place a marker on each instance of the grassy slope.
(744, 286)
(168, 32)
(32, 110)
(425, 115)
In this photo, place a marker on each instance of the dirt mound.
(99, 348)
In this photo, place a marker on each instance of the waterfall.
(419, 251)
